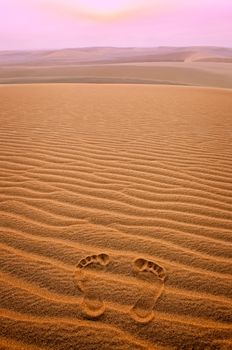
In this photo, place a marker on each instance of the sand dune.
(197, 66)
(189, 73)
(98, 55)
(115, 206)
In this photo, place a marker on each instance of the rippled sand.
(115, 217)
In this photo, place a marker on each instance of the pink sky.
(38, 24)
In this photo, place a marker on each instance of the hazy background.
(42, 24)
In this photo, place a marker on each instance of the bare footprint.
(92, 304)
(142, 311)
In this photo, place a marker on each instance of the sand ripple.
(116, 217)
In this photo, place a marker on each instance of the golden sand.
(115, 217)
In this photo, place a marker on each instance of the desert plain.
(116, 206)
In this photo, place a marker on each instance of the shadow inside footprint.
(92, 304)
(142, 310)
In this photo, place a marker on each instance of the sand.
(115, 217)
(194, 66)
(169, 73)
(106, 55)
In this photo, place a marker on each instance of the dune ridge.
(106, 55)
(194, 66)
(116, 220)
(187, 74)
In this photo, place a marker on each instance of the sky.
(48, 24)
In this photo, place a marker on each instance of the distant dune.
(115, 55)
(115, 217)
(183, 66)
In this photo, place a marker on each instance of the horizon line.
(116, 47)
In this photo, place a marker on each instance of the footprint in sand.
(142, 311)
(92, 304)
